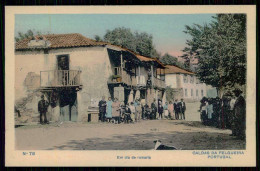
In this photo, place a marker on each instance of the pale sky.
(166, 29)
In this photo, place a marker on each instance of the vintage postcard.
(130, 85)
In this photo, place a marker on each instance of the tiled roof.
(145, 59)
(148, 59)
(60, 41)
(171, 69)
(140, 57)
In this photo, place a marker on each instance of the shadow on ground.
(184, 141)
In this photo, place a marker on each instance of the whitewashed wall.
(25, 62)
(92, 61)
(173, 81)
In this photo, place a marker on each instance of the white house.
(184, 83)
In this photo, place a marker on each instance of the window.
(191, 92)
(202, 93)
(186, 92)
(197, 93)
(185, 78)
(191, 79)
(197, 81)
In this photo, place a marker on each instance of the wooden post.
(152, 74)
(121, 62)
(139, 74)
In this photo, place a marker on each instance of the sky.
(166, 29)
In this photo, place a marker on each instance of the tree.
(28, 34)
(220, 48)
(121, 36)
(168, 59)
(141, 43)
(98, 38)
(144, 44)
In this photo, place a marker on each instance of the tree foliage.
(26, 35)
(98, 38)
(220, 48)
(168, 59)
(141, 43)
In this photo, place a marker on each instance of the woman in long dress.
(109, 109)
(116, 111)
(170, 109)
(165, 109)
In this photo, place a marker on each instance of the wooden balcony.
(141, 81)
(60, 78)
(158, 83)
(126, 78)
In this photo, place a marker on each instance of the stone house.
(74, 72)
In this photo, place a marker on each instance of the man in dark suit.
(239, 115)
(42, 108)
(176, 109)
(182, 109)
(102, 109)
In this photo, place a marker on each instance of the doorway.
(63, 62)
(68, 105)
(63, 69)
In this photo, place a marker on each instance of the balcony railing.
(158, 83)
(60, 78)
(125, 77)
(141, 80)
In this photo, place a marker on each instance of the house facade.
(185, 84)
(74, 72)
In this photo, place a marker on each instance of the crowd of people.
(116, 112)
(225, 113)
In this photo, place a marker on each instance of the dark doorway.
(63, 62)
(68, 105)
(63, 69)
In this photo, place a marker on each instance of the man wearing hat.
(42, 108)
(239, 124)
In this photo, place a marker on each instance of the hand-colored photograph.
(130, 81)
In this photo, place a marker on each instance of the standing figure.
(209, 111)
(143, 108)
(165, 109)
(116, 111)
(102, 109)
(182, 109)
(138, 109)
(147, 112)
(109, 110)
(154, 110)
(171, 110)
(239, 115)
(203, 111)
(160, 109)
(176, 109)
(127, 114)
(217, 112)
(132, 108)
(42, 108)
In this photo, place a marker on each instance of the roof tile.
(171, 69)
(60, 41)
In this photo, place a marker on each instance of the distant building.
(185, 84)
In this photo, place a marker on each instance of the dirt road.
(187, 135)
